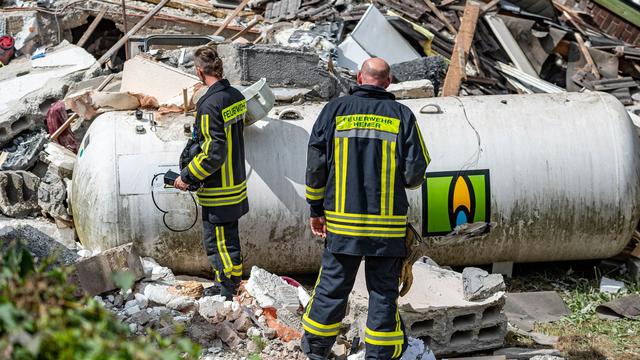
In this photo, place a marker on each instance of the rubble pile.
(170, 304)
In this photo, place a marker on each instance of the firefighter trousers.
(384, 332)
(222, 245)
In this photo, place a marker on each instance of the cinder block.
(246, 63)
(94, 274)
(18, 193)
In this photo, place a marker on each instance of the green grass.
(582, 334)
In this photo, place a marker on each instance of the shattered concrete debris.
(18, 193)
(415, 89)
(437, 312)
(60, 159)
(479, 284)
(432, 68)
(52, 196)
(524, 353)
(23, 152)
(246, 64)
(270, 290)
(95, 274)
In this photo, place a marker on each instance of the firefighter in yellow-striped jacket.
(364, 150)
(213, 160)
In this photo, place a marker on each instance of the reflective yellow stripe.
(195, 172)
(219, 244)
(314, 194)
(367, 121)
(231, 200)
(235, 110)
(205, 131)
(223, 190)
(343, 172)
(229, 265)
(372, 217)
(313, 293)
(365, 219)
(425, 152)
(392, 177)
(198, 160)
(359, 231)
(383, 179)
(337, 168)
(384, 338)
(316, 328)
(229, 162)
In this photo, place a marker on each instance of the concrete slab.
(155, 79)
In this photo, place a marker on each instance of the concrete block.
(212, 308)
(243, 323)
(95, 273)
(272, 291)
(280, 66)
(479, 284)
(228, 335)
(155, 79)
(24, 151)
(52, 196)
(436, 312)
(18, 193)
(415, 89)
(433, 68)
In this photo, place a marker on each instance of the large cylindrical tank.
(557, 176)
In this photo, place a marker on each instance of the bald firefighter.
(213, 162)
(364, 150)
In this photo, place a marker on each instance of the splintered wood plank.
(461, 48)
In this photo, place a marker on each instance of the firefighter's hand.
(318, 226)
(180, 185)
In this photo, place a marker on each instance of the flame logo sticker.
(453, 198)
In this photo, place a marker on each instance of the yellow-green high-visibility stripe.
(383, 178)
(229, 162)
(425, 152)
(366, 218)
(366, 231)
(223, 190)
(231, 200)
(383, 338)
(314, 194)
(316, 328)
(337, 168)
(313, 292)
(229, 266)
(219, 236)
(343, 173)
(391, 171)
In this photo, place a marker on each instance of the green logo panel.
(452, 198)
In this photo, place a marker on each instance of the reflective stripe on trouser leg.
(222, 245)
(328, 304)
(384, 333)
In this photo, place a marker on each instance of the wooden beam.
(249, 26)
(231, 16)
(441, 16)
(456, 71)
(593, 68)
(131, 32)
(92, 27)
(488, 6)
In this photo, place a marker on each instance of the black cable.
(164, 213)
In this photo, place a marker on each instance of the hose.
(164, 213)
